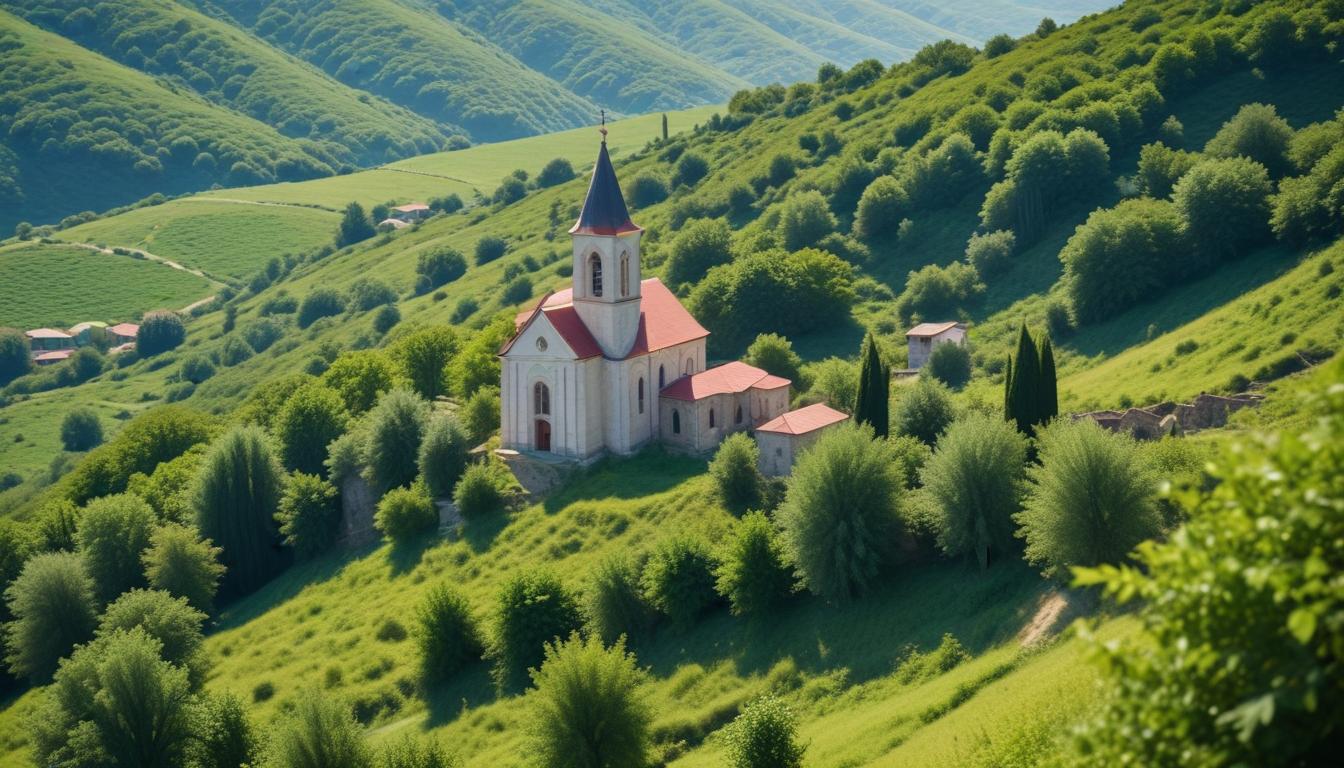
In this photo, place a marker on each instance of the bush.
(533, 609)
(197, 368)
(423, 355)
(765, 735)
(113, 533)
(556, 172)
(81, 429)
(1256, 132)
(237, 492)
(53, 608)
(224, 737)
(169, 620)
(991, 253)
(753, 575)
(180, 563)
(16, 358)
(355, 226)
(478, 493)
(360, 378)
(395, 430)
(739, 482)
(1091, 499)
(691, 168)
(881, 208)
(840, 516)
(517, 290)
(774, 354)
(804, 220)
(370, 293)
(320, 303)
(1225, 205)
(404, 513)
(319, 734)
(410, 752)
(443, 455)
(614, 601)
(310, 419)
(700, 245)
(437, 268)
(589, 708)
(490, 248)
(1125, 255)
(310, 514)
(262, 333)
(934, 291)
(446, 634)
(234, 351)
(1160, 168)
(646, 189)
(679, 579)
(950, 364)
(923, 411)
(159, 332)
(156, 436)
(974, 481)
(998, 45)
(480, 415)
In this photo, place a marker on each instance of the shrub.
(735, 475)
(404, 513)
(933, 291)
(180, 563)
(804, 220)
(395, 430)
(646, 189)
(614, 601)
(923, 411)
(774, 354)
(319, 734)
(355, 226)
(156, 436)
(167, 619)
(53, 608)
(998, 45)
(320, 303)
(834, 382)
(113, 532)
(197, 368)
(911, 457)
(450, 203)
(309, 420)
(840, 515)
(1090, 501)
(370, 293)
(237, 492)
(410, 752)
(765, 735)
(950, 364)
(1161, 167)
(234, 351)
(262, 333)
(974, 481)
(1124, 255)
(991, 253)
(679, 579)
(423, 355)
(360, 378)
(310, 514)
(1256, 132)
(556, 172)
(478, 493)
(81, 429)
(533, 609)
(917, 666)
(490, 248)
(700, 245)
(159, 332)
(446, 634)
(691, 168)
(443, 454)
(1225, 205)
(753, 575)
(16, 357)
(588, 709)
(517, 290)
(480, 415)
(509, 191)
(438, 267)
(881, 208)
(223, 737)
(466, 307)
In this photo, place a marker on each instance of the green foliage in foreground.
(975, 483)
(1241, 650)
(404, 513)
(765, 735)
(320, 733)
(753, 573)
(614, 601)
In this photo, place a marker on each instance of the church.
(615, 361)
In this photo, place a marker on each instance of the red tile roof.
(571, 328)
(729, 378)
(46, 333)
(124, 329)
(931, 329)
(807, 419)
(53, 355)
(411, 207)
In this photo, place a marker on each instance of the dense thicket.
(237, 494)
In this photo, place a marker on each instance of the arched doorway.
(543, 435)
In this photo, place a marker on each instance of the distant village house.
(48, 340)
(123, 333)
(925, 336)
(409, 212)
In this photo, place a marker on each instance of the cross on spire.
(603, 129)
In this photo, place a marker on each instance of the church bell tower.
(606, 262)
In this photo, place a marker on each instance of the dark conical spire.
(604, 211)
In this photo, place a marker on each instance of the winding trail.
(214, 283)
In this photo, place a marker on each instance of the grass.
(60, 285)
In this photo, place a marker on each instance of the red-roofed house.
(123, 333)
(781, 439)
(48, 340)
(409, 212)
(54, 356)
(615, 362)
(925, 336)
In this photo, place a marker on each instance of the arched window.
(676, 423)
(625, 275)
(662, 378)
(641, 394)
(711, 418)
(595, 273)
(737, 417)
(541, 399)
(690, 366)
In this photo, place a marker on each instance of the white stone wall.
(921, 348)
(613, 317)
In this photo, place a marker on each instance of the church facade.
(615, 361)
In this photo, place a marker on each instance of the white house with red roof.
(615, 361)
(925, 336)
(781, 439)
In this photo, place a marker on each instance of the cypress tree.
(1008, 414)
(1049, 403)
(355, 226)
(872, 404)
(1025, 391)
(664, 126)
(237, 494)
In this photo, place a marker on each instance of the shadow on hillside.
(651, 471)
(288, 585)
(480, 533)
(840, 338)
(405, 555)
(469, 688)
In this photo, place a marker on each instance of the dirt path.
(426, 173)
(1054, 612)
(151, 257)
(204, 199)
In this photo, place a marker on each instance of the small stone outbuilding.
(781, 439)
(700, 410)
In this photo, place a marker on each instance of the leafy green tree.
(834, 382)
(588, 710)
(396, 426)
(116, 702)
(1125, 255)
(437, 268)
(765, 735)
(490, 248)
(881, 208)
(222, 736)
(180, 563)
(53, 608)
(480, 414)
(446, 634)
(1225, 204)
(477, 365)
(81, 429)
(237, 493)
(360, 378)
(355, 226)
(235, 351)
(923, 410)
(370, 293)
(16, 357)
(443, 454)
(168, 489)
(753, 574)
(534, 608)
(159, 332)
(386, 319)
(774, 354)
(319, 733)
(872, 400)
(679, 579)
(841, 513)
(998, 45)
(517, 290)
(320, 303)
(1256, 132)
(974, 480)
(933, 291)
(950, 364)
(197, 368)
(805, 219)
(113, 533)
(174, 624)
(691, 168)
(554, 173)
(991, 253)
(700, 245)
(647, 188)
(945, 175)
(735, 474)
(405, 512)
(1024, 386)
(479, 493)
(156, 436)
(1160, 167)
(1091, 499)
(1236, 659)
(309, 514)
(423, 355)
(614, 600)
(307, 423)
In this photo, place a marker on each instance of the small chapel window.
(737, 417)
(711, 417)
(662, 378)
(641, 394)
(625, 275)
(595, 270)
(676, 423)
(541, 399)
